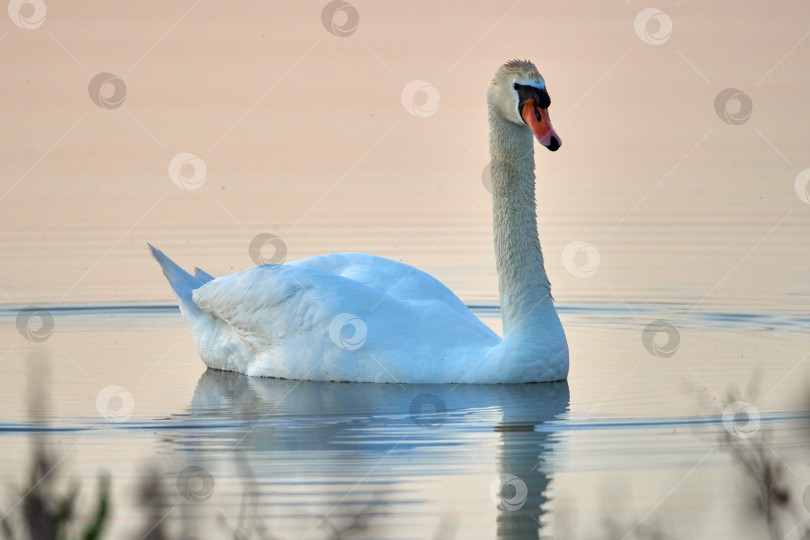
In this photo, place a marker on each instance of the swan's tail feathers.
(202, 275)
(181, 281)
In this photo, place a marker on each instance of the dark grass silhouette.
(45, 508)
(48, 511)
(766, 473)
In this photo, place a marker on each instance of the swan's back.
(391, 277)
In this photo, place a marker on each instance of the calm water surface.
(630, 441)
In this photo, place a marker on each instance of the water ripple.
(787, 321)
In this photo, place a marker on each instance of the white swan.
(361, 318)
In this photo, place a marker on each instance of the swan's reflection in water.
(385, 434)
(522, 457)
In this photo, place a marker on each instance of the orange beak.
(538, 121)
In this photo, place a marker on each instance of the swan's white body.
(361, 318)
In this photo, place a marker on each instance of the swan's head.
(518, 92)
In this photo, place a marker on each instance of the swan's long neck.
(522, 281)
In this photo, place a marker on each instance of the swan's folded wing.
(271, 304)
(274, 296)
(274, 320)
(394, 279)
(302, 323)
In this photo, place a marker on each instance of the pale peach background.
(304, 135)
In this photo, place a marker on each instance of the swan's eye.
(527, 92)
